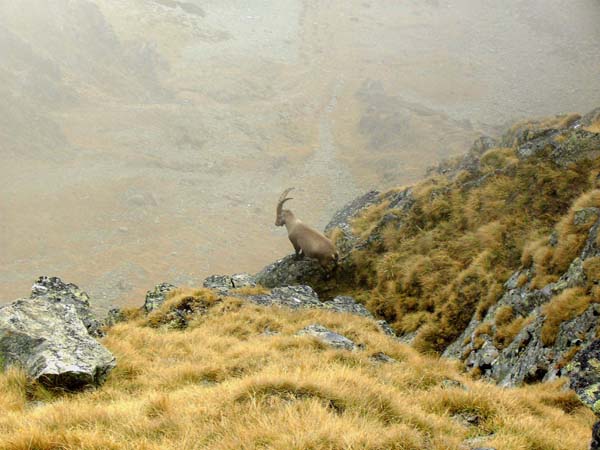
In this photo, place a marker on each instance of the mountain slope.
(432, 255)
(239, 376)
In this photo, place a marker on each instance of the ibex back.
(306, 240)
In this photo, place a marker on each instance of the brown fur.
(306, 240)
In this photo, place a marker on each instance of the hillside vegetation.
(475, 221)
(239, 378)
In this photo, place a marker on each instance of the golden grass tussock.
(223, 384)
(593, 127)
(505, 333)
(187, 301)
(504, 315)
(335, 235)
(369, 218)
(565, 306)
(591, 268)
(550, 261)
(498, 158)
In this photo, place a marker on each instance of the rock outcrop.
(584, 375)
(328, 337)
(526, 358)
(156, 297)
(51, 336)
(223, 283)
(289, 271)
(293, 297)
(584, 379)
(53, 288)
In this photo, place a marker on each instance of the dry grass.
(223, 384)
(568, 304)
(183, 302)
(594, 127)
(505, 333)
(369, 218)
(549, 262)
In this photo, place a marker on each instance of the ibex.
(306, 240)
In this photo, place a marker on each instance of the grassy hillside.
(472, 224)
(223, 383)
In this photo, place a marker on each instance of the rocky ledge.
(293, 297)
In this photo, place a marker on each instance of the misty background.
(148, 140)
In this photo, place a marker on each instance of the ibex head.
(279, 219)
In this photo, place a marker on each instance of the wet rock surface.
(51, 337)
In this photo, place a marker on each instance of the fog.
(148, 140)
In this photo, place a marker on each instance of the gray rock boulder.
(294, 297)
(47, 337)
(223, 283)
(386, 329)
(328, 337)
(346, 304)
(343, 216)
(53, 288)
(156, 297)
(584, 379)
(584, 215)
(470, 162)
(290, 271)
